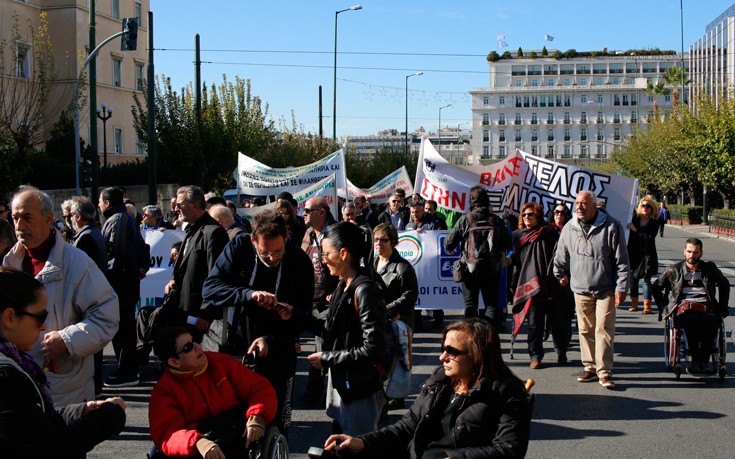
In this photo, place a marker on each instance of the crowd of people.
(252, 288)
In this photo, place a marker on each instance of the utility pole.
(152, 170)
(93, 106)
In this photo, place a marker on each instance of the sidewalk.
(701, 231)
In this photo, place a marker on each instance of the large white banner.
(519, 179)
(381, 191)
(325, 188)
(162, 270)
(257, 179)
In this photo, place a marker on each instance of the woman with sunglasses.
(536, 289)
(642, 252)
(471, 406)
(30, 427)
(206, 403)
(353, 352)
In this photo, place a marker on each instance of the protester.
(395, 214)
(83, 308)
(255, 273)
(365, 215)
(592, 259)
(642, 254)
(420, 219)
(7, 237)
(222, 215)
(65, 227)
(206, 404)
(153, 219)
(440, 222)
(401, 292)
(30, 427)
(296, 228)
(663, 217)
(353, 332)
(560, 216)
(471, 406)
(173, 216)
(536, 289)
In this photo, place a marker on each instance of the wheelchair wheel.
(273, 445)
(668, 354)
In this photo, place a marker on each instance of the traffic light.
(85, 170)
(130, 34)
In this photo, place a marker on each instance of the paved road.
(651, 414)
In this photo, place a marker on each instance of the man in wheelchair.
(686, 291)
(206, 404)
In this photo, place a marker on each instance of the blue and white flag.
(501, 36)
(548, 37)
(502, 44)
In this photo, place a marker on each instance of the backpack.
(479, 244)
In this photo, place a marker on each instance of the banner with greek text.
(519, 179)
(325, 188)
(381, 191)
(257, 179)
(162, 269)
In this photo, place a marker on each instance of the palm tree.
(656, 90)
(675, 77)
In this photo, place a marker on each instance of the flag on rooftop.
(548, 37)
(501, 36)
(502, 44)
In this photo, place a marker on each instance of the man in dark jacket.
(687, 289)
(254, 274)
(485, 279)
(365, 216)
(395, 214)
(127, 263)
(205, 239)
(420, 219)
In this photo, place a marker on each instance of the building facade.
(574, 109)
(120, 74)
(712, 58)
(453, 143)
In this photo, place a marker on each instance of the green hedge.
(692, 214)
(722, 218)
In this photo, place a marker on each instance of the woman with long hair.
(353, 353)
(296, 229)
(642, 253)
(30, 427)
(471, 406)
(536, 289)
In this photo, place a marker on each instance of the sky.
(286, 49)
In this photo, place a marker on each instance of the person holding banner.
(535, 287)
(485, 279)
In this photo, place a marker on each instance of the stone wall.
(137, 193)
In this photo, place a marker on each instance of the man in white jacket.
(83, 309)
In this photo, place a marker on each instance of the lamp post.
(407, 77)
(105, 113)
(334, 102)
(440, 126)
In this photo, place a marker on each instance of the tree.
(519, 54)
(544, 52)
(675, 77)
(657, 90)
(493, 56)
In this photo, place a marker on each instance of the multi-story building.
(566, 108)
(453, 144)
(120, 74)
(712, 58)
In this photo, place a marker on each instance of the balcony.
(583, 72)
(583, 121)
(549, 121)
(534, 121)
(616, 120)
(485, 122)
(517, 122)
(567, 72)
(501, 122)
(567, 121)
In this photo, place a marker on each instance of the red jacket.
(179, 401)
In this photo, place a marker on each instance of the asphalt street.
(649, 415)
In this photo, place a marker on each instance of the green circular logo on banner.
(409, 247)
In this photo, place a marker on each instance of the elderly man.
(83, 308)
(592, 248)
(224, 217)
(420, 219)
(128, 260)
(153, 219)
(395, 214)
(253, 275)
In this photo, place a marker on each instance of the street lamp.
(105, 113)
(440, 126)
(407, 77)
(334, 106)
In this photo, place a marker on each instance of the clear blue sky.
(286, 49)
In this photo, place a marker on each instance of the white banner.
(257, 179)
(519, 179)
(381, 191)
(162, 270)
(325, 188)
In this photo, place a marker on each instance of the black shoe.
(561, 359)
(120, 379)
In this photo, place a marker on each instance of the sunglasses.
(528, 214)
(188, 347)
(453, 352)
(395, 201)
(308, 211)
(382, 240)
(558, 212)
(40, 318)
(647, 205)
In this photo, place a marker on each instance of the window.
(567, 135)
(600, 151)
(501, 135)
(616, 81)
(550, 118)
(550, 135)
(616, 134)
(534, 101)
(583, 81)
(534, 150)
(633, 99)
(616, 117)
(616, 99)
(139, 77)
(543, 101)
(486, 136)
(117, 72)
(583, 151)
(599, 98)
(519, 101)
(550, 151)
(534, 135)
(583, 99)
(600, 118)
(550, 82)
(567, 151)
(501, 119)
(598, 81)
(567, 118)
(526, 101)
(600, 136)
(626, 99)
(534, 118)
(485, 152)
(115, 9)
(139, 146)
(534, 82)
(486, 100)
(518, 83)
(583, 118)
(567, 82)
(518, 135)
(501, 152)
(518, 118)
(117, 140)
(137, 13)
(501, 101)
(567, 101)
(633, 118)
(583, 134)
(485, 119)
(558, 101)
(650, 98)
(22, 61)
(667, 98)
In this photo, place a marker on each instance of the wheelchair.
(678, 357)
(273, 445)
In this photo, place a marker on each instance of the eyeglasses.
(325, 254)
(40, 318)
(271, 255)
(381, 240)
(395, 201)
(453, 352)
(558, 212)
(528, 214)
(647, 206)
(349, 215)
(188, 347)
(308, 211)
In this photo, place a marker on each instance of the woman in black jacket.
(30, 427)
(473, 406)
(353, 333)
(642, 253)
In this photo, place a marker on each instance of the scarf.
(29, 366)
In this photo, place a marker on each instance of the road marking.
(729, 272)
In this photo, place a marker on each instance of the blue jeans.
(633, 286)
